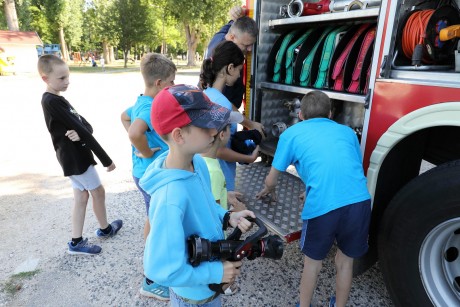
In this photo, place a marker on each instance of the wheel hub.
(439, 263)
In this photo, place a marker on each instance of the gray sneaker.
(116, 226)
(83, 248)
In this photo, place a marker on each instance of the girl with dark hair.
(222, 69)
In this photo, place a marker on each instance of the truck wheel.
(419, 240)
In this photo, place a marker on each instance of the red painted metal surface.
(393, 100)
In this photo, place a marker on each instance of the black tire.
(419, 240)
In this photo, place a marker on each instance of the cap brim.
(236, 117)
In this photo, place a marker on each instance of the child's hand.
(111, 167)
(72, 135)
(259, 127)
(231, 271)
(237, 219)
(233, 199)
(268, 191)
(153, 150)
(302, 197)
(255, 154)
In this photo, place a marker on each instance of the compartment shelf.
(303, 90)
(352, 15)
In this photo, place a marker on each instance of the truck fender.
(441, 114)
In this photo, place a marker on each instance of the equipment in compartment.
(351, 60)
(426, 36)
(294, 110)
(335, 57)
(297, 8)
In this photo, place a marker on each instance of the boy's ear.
(157, 82)
(45, 78)
(222, 134)
(176, 135)
(301, 116)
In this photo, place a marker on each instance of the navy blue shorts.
(144, 194)
(349, 225)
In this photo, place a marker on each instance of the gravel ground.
(35, 202)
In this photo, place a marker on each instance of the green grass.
(15, 282)
(118, 67)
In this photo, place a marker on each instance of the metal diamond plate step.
(281, 217)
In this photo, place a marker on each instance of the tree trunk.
(64, 52)
(11, 15)
(111, 54)
(126, 54)
(105, 52)
(193, 38)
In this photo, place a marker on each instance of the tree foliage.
(134, 26)
(200, 14)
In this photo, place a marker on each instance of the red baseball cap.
(180, 105)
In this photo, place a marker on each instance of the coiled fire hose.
(414, 33)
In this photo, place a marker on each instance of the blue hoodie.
(181, 205)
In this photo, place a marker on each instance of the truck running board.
(281, 217)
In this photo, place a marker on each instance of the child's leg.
(100, 212)
(79, 212)
(344, 267)
(311, 269)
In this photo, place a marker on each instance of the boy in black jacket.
(74, 144)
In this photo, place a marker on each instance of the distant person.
(337, 204)
(182, 203)
(242, 30)
(158, 72)
(102, 61)
(74, 144)
(221, 70)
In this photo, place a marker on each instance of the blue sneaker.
(83, 248)
(332, 302)
(116, 226)
(154, 290)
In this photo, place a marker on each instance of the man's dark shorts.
(349, 225)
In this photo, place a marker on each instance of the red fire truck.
(392, 68)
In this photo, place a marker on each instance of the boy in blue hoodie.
(182, 204)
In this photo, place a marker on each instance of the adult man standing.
(242, 30)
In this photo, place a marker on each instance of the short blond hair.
(156, 66)
(47, 62)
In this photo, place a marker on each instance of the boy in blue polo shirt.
(328, 159)
(158, 72)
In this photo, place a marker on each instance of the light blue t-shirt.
(228, 168)
(141, 110)
(328, 159)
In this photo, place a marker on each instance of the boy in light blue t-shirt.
(337, 207)
(158, 72)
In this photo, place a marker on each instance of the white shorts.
(89, 180)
